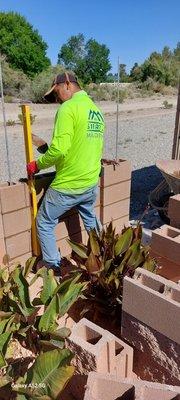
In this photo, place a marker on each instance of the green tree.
(23, 46)
(89, 60)
(124, 77)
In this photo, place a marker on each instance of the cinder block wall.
(15, 220)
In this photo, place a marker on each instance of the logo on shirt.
(95, 124)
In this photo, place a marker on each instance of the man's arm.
(62, 138)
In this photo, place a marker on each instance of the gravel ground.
(145, 135)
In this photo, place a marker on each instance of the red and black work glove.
(32, 168)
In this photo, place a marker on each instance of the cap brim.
(50, 96)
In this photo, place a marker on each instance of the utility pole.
(117, 115)
(4, 123)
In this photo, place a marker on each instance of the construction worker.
(75, 151)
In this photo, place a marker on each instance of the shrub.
(167, 105)
(32, 345)
(105, 92)
(13, 80)
(106, 260)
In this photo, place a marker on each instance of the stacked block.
(107, 387)
(115, 187)
(151, 323)
(174, 211)
(166, 243)
(15, 222)
(98, 350)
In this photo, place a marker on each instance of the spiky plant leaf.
(78, 248)
(28, 266)
(92, 264)
(22, 292)
(124, 242)
(49, 286)
(47, 321)
(150, 264)
(94, 243)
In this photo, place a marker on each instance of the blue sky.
(131, 29)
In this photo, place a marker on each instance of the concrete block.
(112, 194)
(61, 230)
(21, 259)
(145, 390)
(107, 387)
(148, 298)
(166, 242)
(115, 211)
(16, 221)
(18, 245)
(113, 174)
(120, 223)
(14, 197)
(151, 324)
(2, 250)
(97, 349)
(167, 268)
(1, 227)
(174, 210)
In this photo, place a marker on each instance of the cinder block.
(167, 268)
(107, 387)
(148, 297)
(2, 250)
(22, 259)
(166, 242)
(145, 390)
(113, 174)
(174, 210)
(115, 193)
(18, 245)
(16, 222)
(97, 349)
(115, 211)
(1, 227)
(64, 247)
(120, 223)
(14, 197)
(61, 230)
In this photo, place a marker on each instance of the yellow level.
(29, 158)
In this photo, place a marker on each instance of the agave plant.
(105, 261)
(21, 325)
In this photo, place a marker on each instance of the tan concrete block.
(2, 250)
(120, 223)
(22, 259)
(115, 211)
(16, 222)
(1, 227)
(114, 193)
(174, 210)
(107, 387)
(166, 242)
(115, 174)
(18, 244)
(92, 347)
(148, 298)
(145, 390)
(61, 230)
(167, 268)
(64, 247)
(14, 197)
(104, 351)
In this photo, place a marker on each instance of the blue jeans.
(53, 206)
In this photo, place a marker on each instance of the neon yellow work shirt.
(77, 145)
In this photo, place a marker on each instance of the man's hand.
(32, 168)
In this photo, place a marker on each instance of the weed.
(10, 122)
(32, 118)
(167, 105)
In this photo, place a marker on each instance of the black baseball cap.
(65, 77)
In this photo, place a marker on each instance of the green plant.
(36, 337)
(106, 260)
(32, 118)
(10, 122)
(167, 105)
